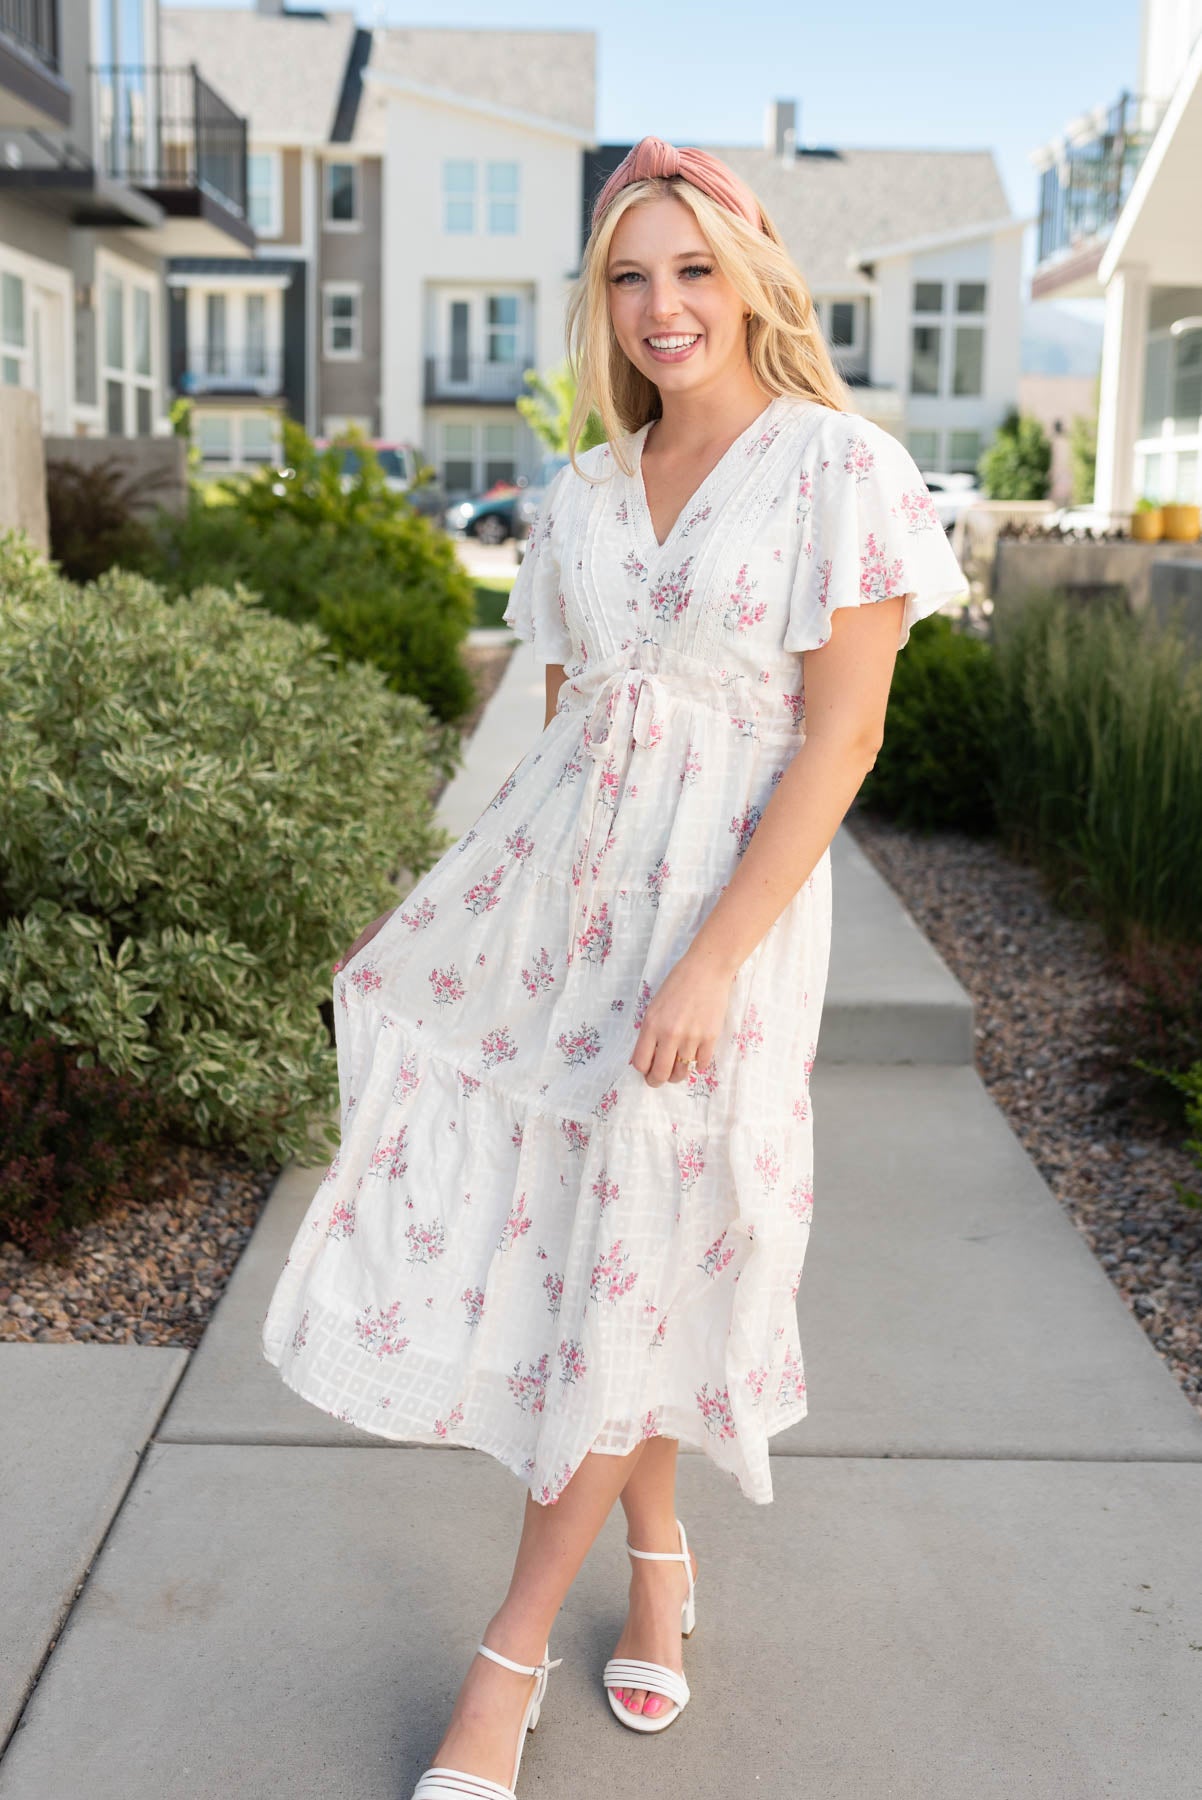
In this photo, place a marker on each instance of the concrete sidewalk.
(981, 1576)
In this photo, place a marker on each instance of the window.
(458, 196)
(13, 347)
(964, 451)
(928, 296)
(214, 437)
(342, 195)
(236, 440)
(924, 359)
(1187, 380)
(461, 208)
(256, 334)
(503, 320)
(458, 459)
(340, 320)
(968, 359)
(502, 197)
(924, 448)
(843, 324)
(127, 377)
(263, 192)
(258, 438)
(216, 343)
(1187, 477)
(970, 296)
(500, 453)
(1151, 479)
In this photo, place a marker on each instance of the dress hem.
(456, 1440)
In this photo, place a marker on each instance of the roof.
(832, 205)
(544, 74)
(283, 72)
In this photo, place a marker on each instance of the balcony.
(33, 94)
(1085, 179)
(209, 370)
(473, 381)
(167, 133)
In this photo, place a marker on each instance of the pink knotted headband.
(652, 157)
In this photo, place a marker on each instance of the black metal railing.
(1083, 193)
(33, 24)
(468, 378)
(163, 128)
(214, 369)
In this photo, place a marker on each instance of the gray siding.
(354, 387)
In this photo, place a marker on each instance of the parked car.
(489, 516)
(952, 494)
(401, 465)
(531, 500)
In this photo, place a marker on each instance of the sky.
(872, 75)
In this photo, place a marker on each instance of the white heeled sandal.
(629, 1672)
(439, 1783)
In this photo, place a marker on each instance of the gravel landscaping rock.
(1044, 990)
(145, 1273)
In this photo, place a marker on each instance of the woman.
(567, 1220)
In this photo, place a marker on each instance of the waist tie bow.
(627, 710)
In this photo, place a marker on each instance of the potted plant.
(1182, 523)
(1147, 521)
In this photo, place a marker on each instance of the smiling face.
(674, 313)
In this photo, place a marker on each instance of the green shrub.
(346, 553)
(74, 1142)
(936, 766)
(1100, 762)
(199, 810)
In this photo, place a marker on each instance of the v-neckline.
(757, 426)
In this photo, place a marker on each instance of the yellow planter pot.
(1183, 524)
(1147, 527)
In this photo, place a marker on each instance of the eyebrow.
(624, 262)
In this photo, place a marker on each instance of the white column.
(1120, 400)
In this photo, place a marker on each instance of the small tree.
(1017, 464)
(548, 407)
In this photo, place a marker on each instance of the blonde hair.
(785, 344)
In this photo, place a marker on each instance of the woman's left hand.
(684, 1019)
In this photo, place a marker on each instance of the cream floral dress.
(520, 1245)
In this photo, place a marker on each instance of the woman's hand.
(364, 937)
(684, 1019)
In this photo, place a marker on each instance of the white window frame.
(949, 321)
(128, 277)
(514, 199)
(461, 197)
(331, 290)
(275, 227)
(237, 418)
(46, 281)
(10, 350)
(328, 166)
(235, 295)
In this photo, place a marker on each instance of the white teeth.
(673, 343)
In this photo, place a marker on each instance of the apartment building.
(294, 330)
(480, 248)
(1119, 219)
(111, 161)
(913, 260)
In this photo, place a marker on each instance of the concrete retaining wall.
(158, 466)
(22, 468)
(1084, 568)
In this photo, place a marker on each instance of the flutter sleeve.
(535, 609)
(874, 533)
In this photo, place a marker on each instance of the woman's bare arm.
(555, 673)
(846, 692)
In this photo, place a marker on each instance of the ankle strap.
(517, 1667)
(681, 1555)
